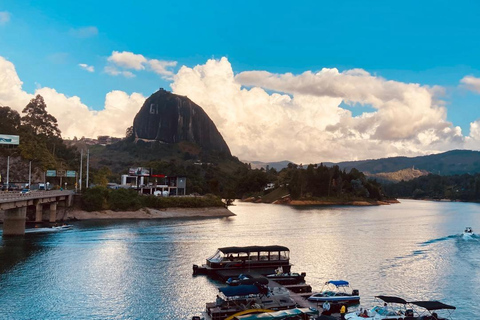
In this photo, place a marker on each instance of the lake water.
(143, 269)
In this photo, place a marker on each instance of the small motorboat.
(396, 308)
(49, 229)
(393, 308)
(468, 231)
(336, 291)
(285, 278)
(430, 309)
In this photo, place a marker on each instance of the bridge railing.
(14, 195)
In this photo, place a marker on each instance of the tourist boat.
(336, 291)
(267, 258)
(233, 299)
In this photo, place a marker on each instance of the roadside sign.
(9, 139)
(71, 174)
(60, 173)
(51, 173)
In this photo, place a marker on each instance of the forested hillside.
(463, 187)
(447, 163)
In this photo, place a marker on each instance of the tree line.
(314, 181)
(465, 187)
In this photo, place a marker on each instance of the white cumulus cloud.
(130, 60)
(74, 117)
(4, 17)
(87, 67)
(160, 67)
(471, 83)
(303, 119)
(266, 116)
(115, 72)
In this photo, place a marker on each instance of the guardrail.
(6, 196)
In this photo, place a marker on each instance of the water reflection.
(143, 269)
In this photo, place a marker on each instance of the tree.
(129, 134)
(10, 121)
(39, 120)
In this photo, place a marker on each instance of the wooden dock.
(299, 292)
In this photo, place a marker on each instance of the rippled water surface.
(143, 269)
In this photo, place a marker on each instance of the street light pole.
(8, 172)
(81, 166)
(88, 162)
(30, 175)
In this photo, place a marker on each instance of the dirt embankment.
(147, 213)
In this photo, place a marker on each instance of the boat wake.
(470, 237)
(428, 242)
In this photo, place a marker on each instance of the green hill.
(447, 163)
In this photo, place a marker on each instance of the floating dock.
(299, 291)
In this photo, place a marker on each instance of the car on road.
(25, 191)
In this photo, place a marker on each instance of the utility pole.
(8, 172)
(30, 175)
(81, 166)
(88, 162)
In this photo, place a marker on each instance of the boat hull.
(339, 299)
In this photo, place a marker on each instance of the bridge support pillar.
(14, 222)
(38, 212)
(53, 212)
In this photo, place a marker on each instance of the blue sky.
(431, 43)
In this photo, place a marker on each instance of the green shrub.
(94, 199)
(124, 199)
(181, 202)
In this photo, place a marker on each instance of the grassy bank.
(99, 198)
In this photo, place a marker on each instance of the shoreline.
(360, 203)
(75, 214)
(148, 213)
(332, 202)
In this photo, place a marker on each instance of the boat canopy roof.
(242, 290)
(254, 281)
(284, 314)
(432, 305)
(339, 283)
(391, 299)
(227, 250)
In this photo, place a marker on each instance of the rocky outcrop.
(170, 118)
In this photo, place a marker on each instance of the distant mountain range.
(447, 163)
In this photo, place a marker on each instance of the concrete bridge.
(15, 204)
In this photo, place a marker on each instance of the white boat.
(393, 308)
(49, 229)
(336, 291)
(396, 308)
(468, 232)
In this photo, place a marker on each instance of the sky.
(304, 81)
